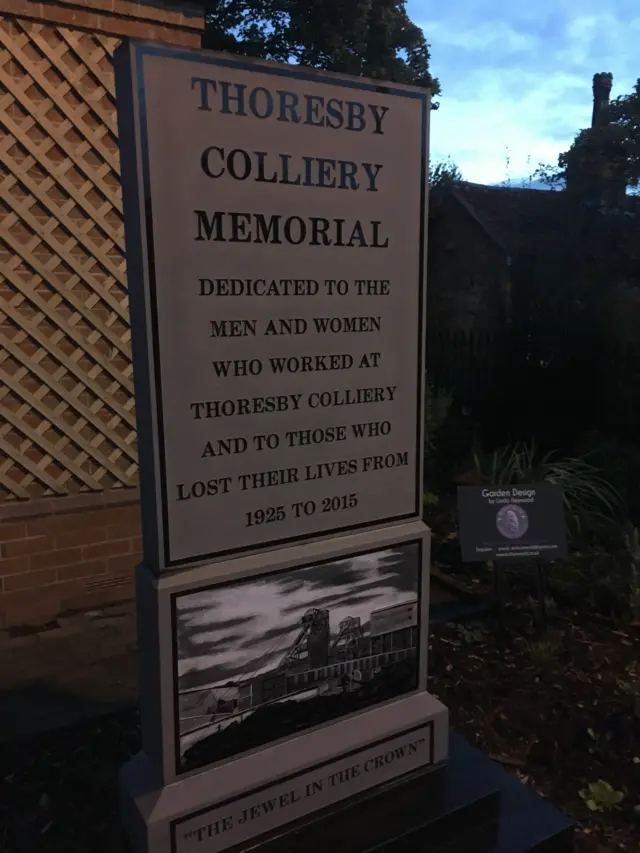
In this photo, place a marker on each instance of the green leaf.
(600, 796)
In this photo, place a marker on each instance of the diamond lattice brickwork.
(66, 387)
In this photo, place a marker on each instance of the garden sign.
(512, 522)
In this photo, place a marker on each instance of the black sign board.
(512, 522)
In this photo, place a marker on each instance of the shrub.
(449, 436)
(619, 463)
(438, 403)
(594, 581)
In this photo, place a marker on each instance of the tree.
(608, 152)
(370, 38)
(444, 173)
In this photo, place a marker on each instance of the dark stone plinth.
(528, 823)
(415, 812)
(405, 815)
(469, 806)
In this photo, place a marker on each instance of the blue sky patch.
(516, 77)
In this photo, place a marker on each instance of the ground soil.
(529, 703)
(529, 698)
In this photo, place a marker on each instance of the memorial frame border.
(269, 574)
(429, 724)
(133, 59)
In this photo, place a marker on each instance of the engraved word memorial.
(275, 226)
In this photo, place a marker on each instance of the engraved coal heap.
(318, 678)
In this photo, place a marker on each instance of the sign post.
(513, 523)
(275, 228)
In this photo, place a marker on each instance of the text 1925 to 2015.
(285, 216)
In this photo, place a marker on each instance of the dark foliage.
(621, 461)
(373, 39)
(555, 383)
(609, 151)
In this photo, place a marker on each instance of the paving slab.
(78, 666)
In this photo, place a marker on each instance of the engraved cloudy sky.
(245, 629)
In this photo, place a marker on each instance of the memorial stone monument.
(275, 228)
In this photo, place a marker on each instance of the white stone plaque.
(240, 818)
(281, 302)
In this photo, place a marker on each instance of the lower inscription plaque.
(256, 812)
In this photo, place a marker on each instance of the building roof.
(517, 218)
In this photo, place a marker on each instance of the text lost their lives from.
(291, 475)
(296, 793)
(269, 514)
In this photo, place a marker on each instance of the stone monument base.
(469, 805)
(233, 805)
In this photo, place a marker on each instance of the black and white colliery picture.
(261, 659)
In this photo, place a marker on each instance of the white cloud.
(477, 131)
(264, 608)
(518, 80)
(483, 36)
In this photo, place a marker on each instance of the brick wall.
(171, 23)
(67, 553)
(79, 551)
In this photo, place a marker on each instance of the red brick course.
(67, 554)
(170, 23)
